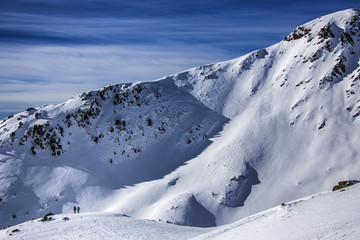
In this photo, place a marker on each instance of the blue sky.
(52, 50)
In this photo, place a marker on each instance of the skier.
(78, 209)
(74, 209)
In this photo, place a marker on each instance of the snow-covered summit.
(203, 147)
(324, 51)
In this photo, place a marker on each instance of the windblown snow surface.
(200, 148)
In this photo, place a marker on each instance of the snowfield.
(201, 148)
(328, 215)
(98, 226)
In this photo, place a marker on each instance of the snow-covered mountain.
(204, 147)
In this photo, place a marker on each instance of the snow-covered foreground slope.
(98, 226)
(204, 147)
(329, 215)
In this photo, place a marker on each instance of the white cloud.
(38, 75)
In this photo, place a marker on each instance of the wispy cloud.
(52, 50)
(50, 74)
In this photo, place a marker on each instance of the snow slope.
(97, 226)
(328, 215)
(82, 151)
(204, 147)
(294, 111)
(294, 127)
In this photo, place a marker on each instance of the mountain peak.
(342, 25)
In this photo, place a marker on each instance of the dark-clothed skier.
(78, 209)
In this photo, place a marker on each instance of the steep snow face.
(316, 55)
(203, 147)
(294, 126)
(295, 110)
